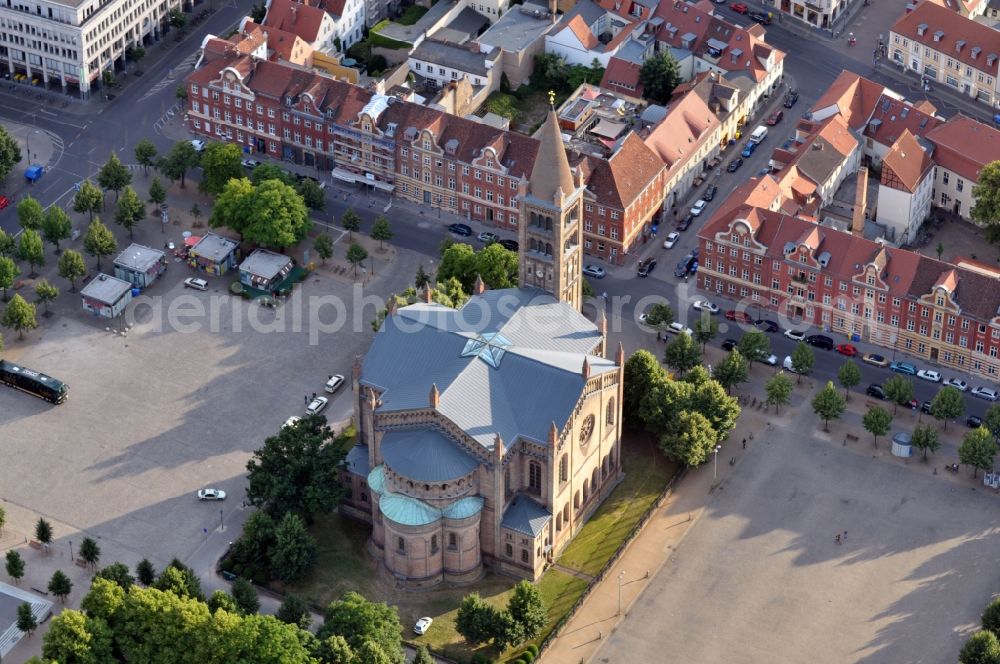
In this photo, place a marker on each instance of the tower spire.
(551, 171)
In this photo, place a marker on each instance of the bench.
(35, 544)
(80, 562)
(851, 437)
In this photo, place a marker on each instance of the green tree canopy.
(7, 242)
(991, 616)
(245, 596)
(983, 647)
(357, 620)
(641, 371)
(313, 195)
(356, 255)
(60, 585)
(220, 163)
(145, 154)
(19, 315)
(26, 621)
(56, 226)
(732, 371)
(323, 246)
(682, 353)
(31, 250)
(89, 199)
(43, 531)
(828, 404)
(476, 619)
(271, 172)
(351, 223)
(90, 551)
(754, 345)
(294, 549)
(98, 241)
(14, 564)
(129, 211)
(899, 390)
(659, 76)
(877, 422)
(76, 637)
(157, 192)
(705, 329)
(233, 206)
(145, 572)
(458, 261)
(660, 315)
(220, 599)
(947, 404)
(690, 439)
(848, 376)
(527, 609)
(803, 360)
(977, 450)
(30, 213)
(294, 611)
(182, 158)
(277, 216)
(8, 274)
(986, 194)
(423, 656)
(71, 267)
(115, 572)
(493, 263)
(114, 176)
(779, 390)
(10, 153)
(925, 438)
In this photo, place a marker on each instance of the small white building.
(140, 265)
(106, 296)
(905, 188)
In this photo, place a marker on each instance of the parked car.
(197, 284)
(958, 384)
(509, 245)
(250, 164)
(710, 193)
(686, 265)
(875, 360)
(460, 229)
(685, 223)
(698, 207)
(734, 165)
(820, 341)
(211, 494)
(678, 328)
(317, 405)
(739, 316)
(487, 237)
(748, 148)
(925, 408)
(705, 305)
(789, 365)
(767, 325)
(875, 390)
(929, 374)
(422, 625)
(759, 17)
(4, 202)
(775, 118)
(911, 403)
(646, 266)
(847, 349)
(903, 368)
(974, 421)
(671, 240)
(987, 393)
(795, 335)
(729, 344)
(595, 271)
(791, 98)
(334, 383)
(300, 178)
(290, 422)
(199, 146)
(739, 8)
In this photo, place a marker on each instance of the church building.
(488, 434)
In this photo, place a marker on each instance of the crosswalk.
(173, 74)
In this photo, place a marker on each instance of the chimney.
(474, 46)
(479, 287)
(435, 399)
(357, 367)
(428, 294)
(860, 202)
(620, 356)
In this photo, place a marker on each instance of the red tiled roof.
(964, 146)
(908, 161)
(687, 125)
(945, 31)
(633, 167)
(854, 96)
(896, 116)
(587, 38)
(622, 76)
(295, 17)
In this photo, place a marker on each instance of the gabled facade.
(905, 188)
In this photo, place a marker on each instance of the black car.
(819, 341)
(734, 165)
(460, 229)
(758, 17)
(925, 407)
(510, 245)
(791, 98)
(646, 266)
(974, 422)
(729, 344)
(767, 325)
(686, 265)
(710, 193)
(685, 223)
(875, 390)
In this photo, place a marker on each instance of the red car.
(739, 8)
(4, 202)
(741, 316)
(775, 118)
(847, 349)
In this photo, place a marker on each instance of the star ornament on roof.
(490, 348)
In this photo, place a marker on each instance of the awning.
(345, 175)
(608, 129)
(192, 240)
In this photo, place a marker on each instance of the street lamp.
(27, 140)
(715, 470)
(621, 575)
(71, 550)
(222, 524)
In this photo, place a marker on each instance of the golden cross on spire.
(552, 99)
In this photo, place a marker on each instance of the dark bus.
(32, 382)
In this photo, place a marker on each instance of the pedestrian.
(845, 535)
(744, 443)
(314, 395)
(305, 399)
(330, 377)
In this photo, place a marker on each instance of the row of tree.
(525, 615)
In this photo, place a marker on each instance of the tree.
(10, 153)
(659, 76)
(731, 371)
(177, 19)
(45, 293)
(157, 192)
(145, 154)
(358, 620)
(145, 572)
(30, 213)
(294, 611)
(15, 566)
(641, 371)
(56, 226)
(986, 194)
(19, 315)
(245, 596)
(422, 278)
(925, 438)
(659, 316)
(72, 267)
(476, 619)
(898, 390)
(682, 353)
(848, 376)
(232, 206)
(754, 345)
(220, 163)
(779, 390)
(296, 470)
(117, 573)
(877, 422)
(60, 585)
(705, 329)
(983, 647)
(8, 274)
(43, 531)
(423, 656)
(7, 242)
(181, 158)
(179, 579)
(382, 231)
(527, 609)
(313, 195)
(991, 616)
(266, 172)
(113, 176)
(89, 199)
(351, 223)
(220, 599)
(356, 255)
(828, 404)
(947, 404)
(26, 621)
(689, 439)
(90, 552)
(323, 246)
(31, 250)
(129, 211)
(77, 637)
(977, 450)
(803, 360)
(294, 549)
(276, 216)
(98, 241)
(496, 266)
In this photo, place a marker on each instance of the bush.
(236, 288)
(533, 649)
(527, 657)
(377, 64)
(502, 104)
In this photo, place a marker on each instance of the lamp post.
(27, 139)
(71, 550)
(222, 524)
(715, 469)
(621, 575)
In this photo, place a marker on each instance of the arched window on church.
(564, 468)
(401, 544)
(611, 411)
(434, 543)
(452, 541)
(548, 223)
(535, 476)
(548, 249)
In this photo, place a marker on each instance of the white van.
(759, 134)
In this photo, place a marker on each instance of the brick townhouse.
(848, 285)
(419, 153)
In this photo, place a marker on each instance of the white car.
(211, 494)
(199, 146)
(957, 383)
(317, 405)
(705, 305)
(595, 271)
(928, 374)
(987, 393)
(197, 284)
(250, 164)
(795, 335)
(699, 207)
(770, 360)
(290, 422)
(671, 240)
(422, 625)
(334, 383)
(679, 328)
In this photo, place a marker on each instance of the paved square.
(760, 579)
